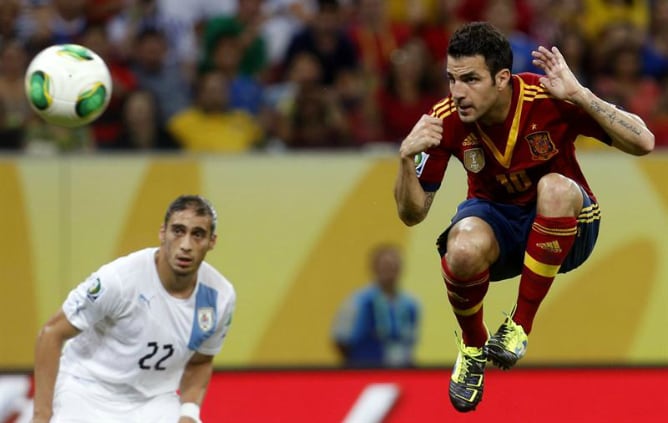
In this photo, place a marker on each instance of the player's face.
(472, 88)
(185, 240)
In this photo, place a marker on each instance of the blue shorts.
(511, 225)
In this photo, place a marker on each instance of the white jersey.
(136, 338)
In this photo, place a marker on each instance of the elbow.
(640, 147)
(410, 218)
(647, 146)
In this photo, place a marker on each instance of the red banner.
(519, 395)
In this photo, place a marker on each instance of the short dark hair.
(482, 38)
(199, 204)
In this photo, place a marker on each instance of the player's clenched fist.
(426, 133)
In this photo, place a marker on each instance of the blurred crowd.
(279, 75)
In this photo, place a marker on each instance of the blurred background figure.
(14, 108)
(407, 91)
(378, 325)
(142, 129)
(210, 125)
(107, 128)
(326, 39)
(282, 19)
(162, 78)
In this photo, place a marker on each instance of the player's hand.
(426, 133)
(559, 79)
(188, 420)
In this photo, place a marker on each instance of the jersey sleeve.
(430, 167)
(94, 299)
(213, 344)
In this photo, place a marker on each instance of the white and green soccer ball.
(68, 85)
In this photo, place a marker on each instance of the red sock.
(466, 299)
(549, 242)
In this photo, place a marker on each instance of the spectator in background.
(414, 13)
(141, 128)
(128, 26)
(599, 14)
(659, 122)
(505, 16)
(107, 128)
(15, 110)
(624, 84)
(376, 37)
(279, 97)
(572, 43)
(477, 10)
(164, 79)
(244, 27)
(182, 22)
(68, 21)
(357, 101)
(655, 45)
(407, 92)
(308, 114)
(9, 14)
(245, 91)
(11, 137)
(282, 20)
(209, 125)
(325, 39)
(378, 325)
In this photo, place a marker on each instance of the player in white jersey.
(134, 343)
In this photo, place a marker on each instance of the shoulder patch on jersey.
(205, 318)
(94, 289)
(541, 145)
(420, 161)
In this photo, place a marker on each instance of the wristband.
(191, 410)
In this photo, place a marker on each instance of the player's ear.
(502, 79)
(212, 242)
(161, 234)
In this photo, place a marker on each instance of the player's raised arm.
(412, 201)
(628, 131)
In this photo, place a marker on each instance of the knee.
(463, 260)
(471, 250)
(558, 196)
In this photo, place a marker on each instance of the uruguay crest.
(205, 318)
(474, 159)
(541, 145)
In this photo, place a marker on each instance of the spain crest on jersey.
(541, 145)
(474, 159)
(205, 318)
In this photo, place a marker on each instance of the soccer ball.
(68, 85)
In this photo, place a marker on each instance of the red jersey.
(504, 162)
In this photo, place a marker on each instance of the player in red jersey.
(529, 210)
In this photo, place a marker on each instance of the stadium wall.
(294, 235)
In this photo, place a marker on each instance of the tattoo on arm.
(612, 118)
